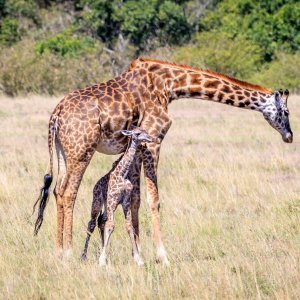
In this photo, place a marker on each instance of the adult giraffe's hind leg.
(74, 175)
(62, 169)
(76, 160)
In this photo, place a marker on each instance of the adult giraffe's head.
(275, 111)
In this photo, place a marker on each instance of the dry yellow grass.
(230, 211)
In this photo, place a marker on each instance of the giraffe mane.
(233, 80)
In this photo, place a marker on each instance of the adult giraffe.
(91, 119)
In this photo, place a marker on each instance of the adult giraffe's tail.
(44, 193)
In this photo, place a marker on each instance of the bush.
(283, 73)
(65, 44)
(22, 71)
(218, 52)
(9, 31)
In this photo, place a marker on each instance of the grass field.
(230, 211)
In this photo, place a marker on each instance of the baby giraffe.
(112, 189)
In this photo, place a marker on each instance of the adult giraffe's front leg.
(150, 161)
(157, 123)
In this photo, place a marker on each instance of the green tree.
(272, 24)
(140, 21)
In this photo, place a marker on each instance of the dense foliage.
(272, 24)
(251, 39)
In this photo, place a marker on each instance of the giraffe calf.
(112, 189)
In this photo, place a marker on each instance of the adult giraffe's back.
(91, 119)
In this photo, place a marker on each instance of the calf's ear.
(126, 132)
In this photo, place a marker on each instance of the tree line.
(249, 39)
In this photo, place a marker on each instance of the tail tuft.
(42, 200)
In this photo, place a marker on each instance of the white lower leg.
(138, 259)
(161, 255)
(68, 253)
(102, 259)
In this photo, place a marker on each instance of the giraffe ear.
(126, 132)
(286, 94)
(277, 96)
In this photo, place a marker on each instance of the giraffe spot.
(240, 97)
(168, 75)
(210, 95)
(132, 87)
(163, 71)
(236, 88)
(209, 76)
(247, 94)
(247, 102)
(143, 72)
(241, 104)
(109, 91)
(230, 102)
(212, 84)
(116, 108)
(176, 72)
(154, 68)
(195, 92)
(118, 97)
(181, 80)
(262, 100)
(181, 93)
(226, 89)
(195, 80)
(128, 76)
(220, 97)
(253, 98)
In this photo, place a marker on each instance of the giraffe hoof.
(162, 256)
(68, 254)
(164, 261)
(102, 261)
(59, 253)
(139, 261)
(83, 258)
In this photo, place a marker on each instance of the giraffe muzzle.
(288, 137)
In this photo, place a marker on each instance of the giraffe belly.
(110, 147)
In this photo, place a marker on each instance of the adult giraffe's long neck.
(185, 82)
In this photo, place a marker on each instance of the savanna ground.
(230, 211)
